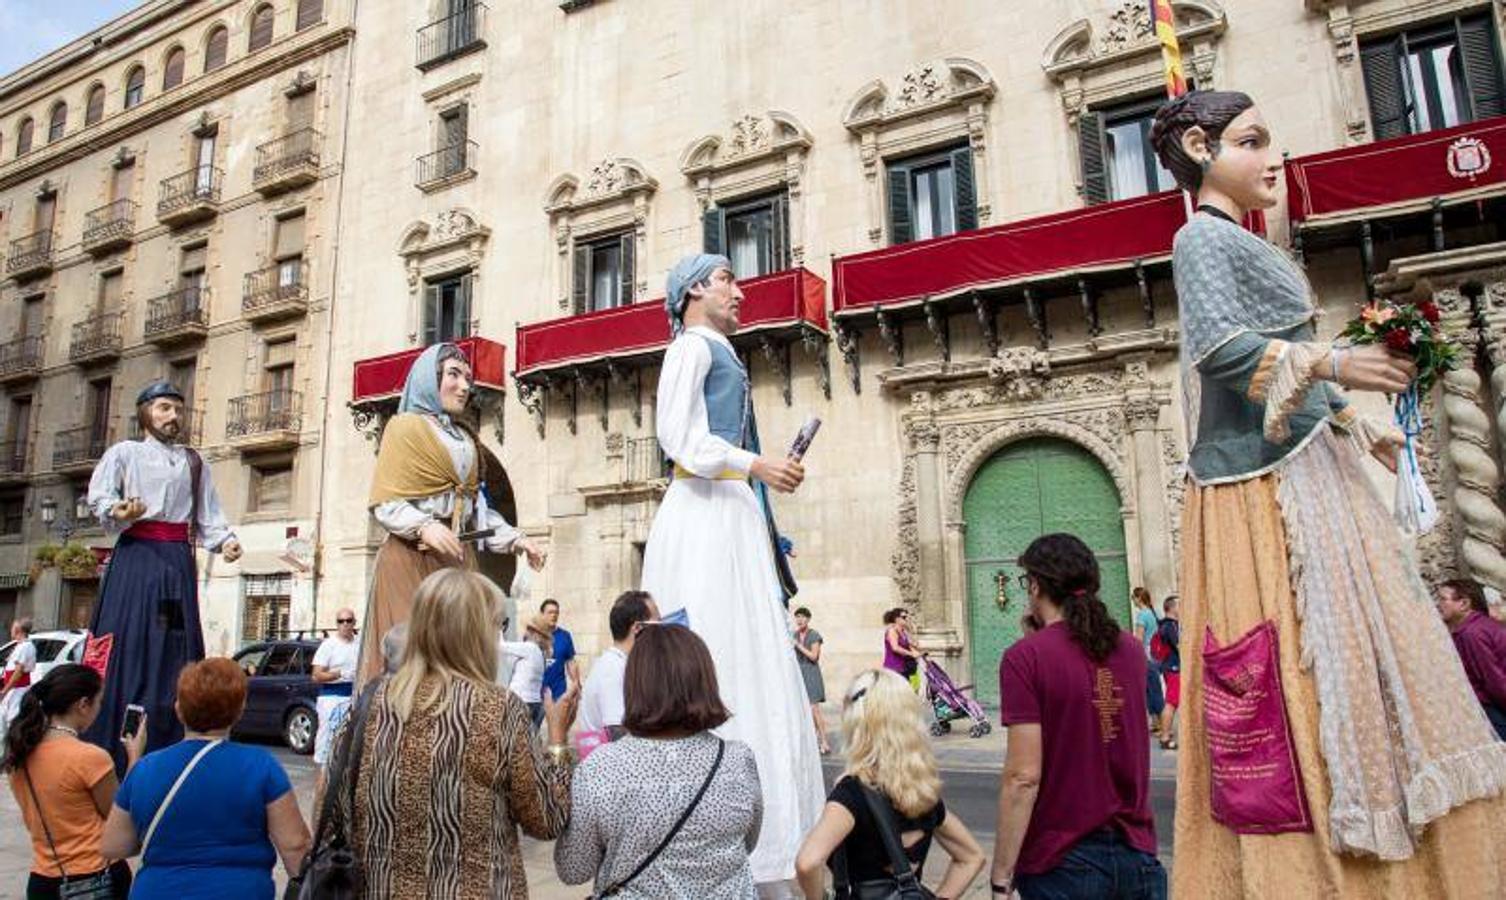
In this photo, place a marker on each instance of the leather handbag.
(99, 886)
(330, 870)
(902, 885)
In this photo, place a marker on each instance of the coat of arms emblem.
(1468, 158)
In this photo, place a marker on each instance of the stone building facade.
(168, 191)
(955, 250)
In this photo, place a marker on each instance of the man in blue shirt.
(562, 655)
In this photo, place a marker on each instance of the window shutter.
(964, 190)
(290, 237)
(194, 258)
(431, 314)
(172, 73)
(580, 281)
(714, 230)
(1482, 67)
(120, 181)
(900, 228)
(261, 28)
(95, 109)
(462, 324)
(779, 259)
(625, 269)
(310, 12)
(1095, 176)
(216, 49)
(1388, 105)
(301, 110)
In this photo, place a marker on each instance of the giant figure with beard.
(158, 496)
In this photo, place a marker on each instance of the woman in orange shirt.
(63, 785)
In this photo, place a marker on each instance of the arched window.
(57, 121)
(172, 69)
(216, 47)
(94, 105)
(310, 12)
(261, 28)
(135, 90)
(23, 136)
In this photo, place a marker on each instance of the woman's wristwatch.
(1005, 887)
(559, 754)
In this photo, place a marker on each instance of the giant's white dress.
(708, 553)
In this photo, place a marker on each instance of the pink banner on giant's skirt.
(1257, 782)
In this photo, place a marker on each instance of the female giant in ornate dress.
(1398, 765)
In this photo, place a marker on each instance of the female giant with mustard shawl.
(428, 489)
(1282, 528)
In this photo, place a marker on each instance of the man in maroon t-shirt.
(1481, 642)
(1078, 758)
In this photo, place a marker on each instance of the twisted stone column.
(1480, 524)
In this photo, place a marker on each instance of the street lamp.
(64, 528)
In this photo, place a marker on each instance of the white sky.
(30, 29)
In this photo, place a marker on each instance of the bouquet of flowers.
(1410, 328)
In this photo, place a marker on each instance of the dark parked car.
(281, 698)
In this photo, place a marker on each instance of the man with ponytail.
(65, 786)
(1074, 802)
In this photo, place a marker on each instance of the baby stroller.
(951, 702)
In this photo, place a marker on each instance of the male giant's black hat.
(156, 390)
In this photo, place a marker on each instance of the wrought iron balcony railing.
(13, 457)
(96, 336)
(264, 412)
(294, 156)
(280, 287)
(30, 253)
(172, 311)
(80, 446)
(644, 460)
(455, 34)
(110, 224)
(22, 356)
(195, 189)
(445, 163)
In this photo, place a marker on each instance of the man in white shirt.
(520, 666)
(18, 671)
(601, 700)
(334, 670)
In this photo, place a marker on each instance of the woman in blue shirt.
(232, 816)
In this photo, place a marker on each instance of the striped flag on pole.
(1171, 54)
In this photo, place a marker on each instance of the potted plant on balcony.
(44, 557)
(77, 561)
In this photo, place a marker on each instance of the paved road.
(970, 772)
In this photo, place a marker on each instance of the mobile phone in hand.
(133, 717)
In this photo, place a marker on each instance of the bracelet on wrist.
(1005, 888)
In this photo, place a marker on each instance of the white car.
(53, 648)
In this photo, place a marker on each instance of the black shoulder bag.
(617, 886)
(902, 885)
(330, 870)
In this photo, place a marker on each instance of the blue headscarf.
(421, 389)
(688, 272)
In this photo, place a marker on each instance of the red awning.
(382, 377)
(1109, 235)
(1399, 175)
(794, 297)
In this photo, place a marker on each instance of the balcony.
(288, 162)
(778, 310)
(15, 463)
(78, 449)
(20, 360)
(453, 36)
(378, 381)
(277, 292)
(444, 167)
(109, 228)
(178, 316)
(96, 339)
(190, 196)
(269, 420)
(30, 256)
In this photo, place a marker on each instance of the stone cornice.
(192, 94)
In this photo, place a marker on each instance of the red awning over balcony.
(1402, 174)
(382, 377)
(1109, 235)
(792, 298)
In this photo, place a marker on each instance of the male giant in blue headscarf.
(429, 488)
(711, 560)
(157, 494)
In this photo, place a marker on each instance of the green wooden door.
(1028, 489)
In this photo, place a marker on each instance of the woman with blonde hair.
(449, 767)
(891, 785)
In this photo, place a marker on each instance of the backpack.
(1160, 651)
